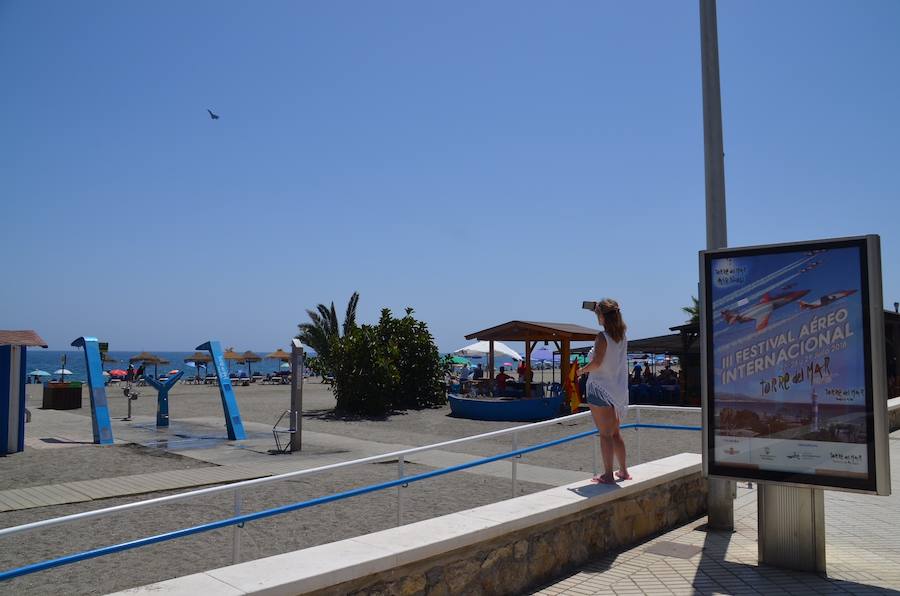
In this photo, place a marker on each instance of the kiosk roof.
(534, 330)
(21, 338)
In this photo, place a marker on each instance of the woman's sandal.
(622, 476)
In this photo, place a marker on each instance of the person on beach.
(636, 374)
(607, 388)
(465, 373)
(500, 380)
(478, 373)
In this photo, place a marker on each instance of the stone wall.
(529, 557)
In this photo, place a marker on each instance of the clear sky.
(479, 162)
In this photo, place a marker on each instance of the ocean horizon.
(51, 360)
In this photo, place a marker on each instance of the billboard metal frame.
(878, 480)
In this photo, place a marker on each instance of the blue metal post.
(162, 398)
(226, 392)
(97, 384)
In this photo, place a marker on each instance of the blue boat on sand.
(509, 409)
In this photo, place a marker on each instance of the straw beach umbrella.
(249, 357)
(232, 356)
(198, 359)
(148, 358)
(279, 354)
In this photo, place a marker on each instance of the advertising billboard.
(793, 364)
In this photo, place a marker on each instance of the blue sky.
(478, 161)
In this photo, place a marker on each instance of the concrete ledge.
(503, 547)
(894, 413)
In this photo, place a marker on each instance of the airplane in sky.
(761, 311)
(811, 266)
(826, 299)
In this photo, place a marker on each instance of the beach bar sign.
(793, 364)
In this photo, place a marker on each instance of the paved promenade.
(862, 554)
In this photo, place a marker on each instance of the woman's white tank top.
(613, 372)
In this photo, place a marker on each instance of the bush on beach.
(393, 365)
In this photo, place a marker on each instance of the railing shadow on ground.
(715, 574)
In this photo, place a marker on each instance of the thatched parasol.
(148, 358)
(279, 354)
(249, 357)
(199, 358)
(230, 354)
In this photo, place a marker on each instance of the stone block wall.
(529, 557)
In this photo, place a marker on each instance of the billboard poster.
(789, 363)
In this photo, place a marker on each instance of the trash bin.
(62, 396)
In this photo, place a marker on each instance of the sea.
(52, 360)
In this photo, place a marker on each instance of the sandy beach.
(262, 404)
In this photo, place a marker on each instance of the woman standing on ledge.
(607, 387)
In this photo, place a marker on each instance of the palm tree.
(693, 310)
(323, 327)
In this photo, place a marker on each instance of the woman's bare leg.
(619, 449)
(605, 419)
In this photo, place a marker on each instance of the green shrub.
(393, 365)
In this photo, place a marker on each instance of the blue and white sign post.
(226, 392)
(97, 384)
(162, 397)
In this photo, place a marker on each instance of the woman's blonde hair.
(612, 319)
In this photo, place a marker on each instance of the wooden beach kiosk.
(13, 345)
(531, 332)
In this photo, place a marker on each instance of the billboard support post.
(720, 498)
(791, 527)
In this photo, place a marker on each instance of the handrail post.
(236, 532)
(637, 430)
(515, 478)
(400, 466)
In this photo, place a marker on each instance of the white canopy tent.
(481, 348)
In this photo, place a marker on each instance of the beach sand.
(326, 523)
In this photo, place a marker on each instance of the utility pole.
(721, 492)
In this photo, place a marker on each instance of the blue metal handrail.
(242, 519)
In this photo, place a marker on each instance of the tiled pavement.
(862, 554)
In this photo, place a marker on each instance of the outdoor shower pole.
(721, 492)
(297, 366)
